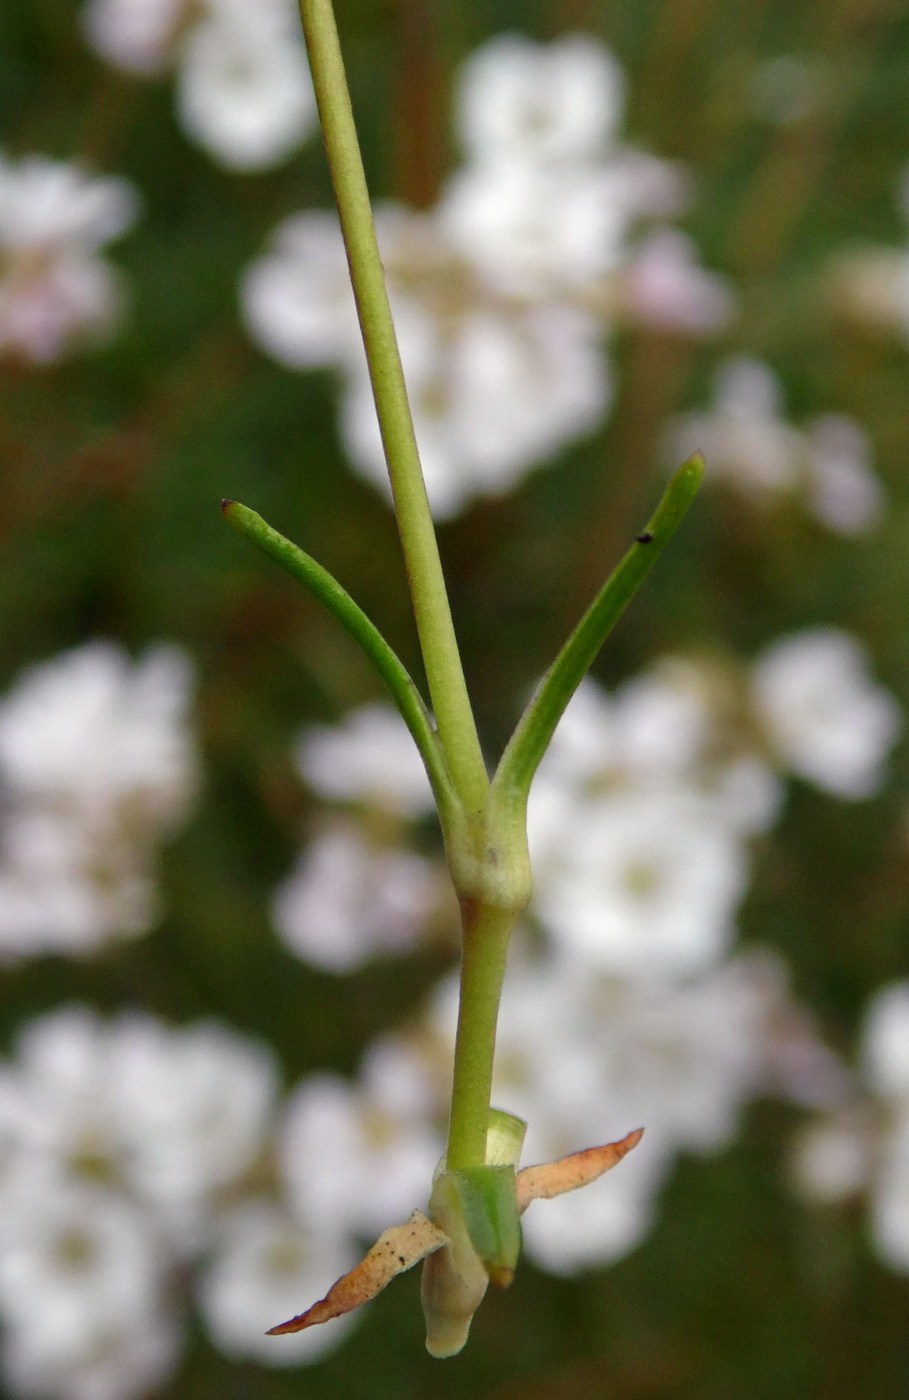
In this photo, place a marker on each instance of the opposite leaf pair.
(470, 1238)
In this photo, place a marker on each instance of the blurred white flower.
(75, 1259)
(843, 491)
(885, 1042)
(368, 758)
(642, 881)
(348, 900)
(297, 298)
(81, 1276)
(56, 292)
(832, 1159)
(168, 1115)
(519, 101)
(664, 285)
(890, 1194)
(822, 713)
(96, 765)
(492, 397)
(637, 827)
(265, 1266)
(351, 1161)
(243, 87)
(195, 1105)
(117, 1360)
(134, 34)
(91, 729)
(535, 234)
(505, 292)
(747, 442)
(245, 92)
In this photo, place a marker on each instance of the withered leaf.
(397, 1248)
(568, 1173)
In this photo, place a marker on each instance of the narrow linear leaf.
(568, 1173)
(391, 670)
(397, 1248)
(537, 725)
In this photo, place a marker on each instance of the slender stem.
(444, 673)
(486, 934)
(531, 738)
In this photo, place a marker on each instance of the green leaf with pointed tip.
(537, 725)
(391, 670)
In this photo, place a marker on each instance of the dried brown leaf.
(396, 1249)
(568, 1173)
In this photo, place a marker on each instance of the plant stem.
(444, 673)
(486, 934)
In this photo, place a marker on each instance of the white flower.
(886, 1042)
(266, 1263)
(521, 101)
(370, 758)
(832, 1158)
(492, 397)
(821, 712)
(244, 90)
(97, 765)
(243, 87)
(134, 34)
(504, 292)
(75, 1258)
(747, 442)
(195, 1106)
(56, 292)
(347, 900)
(744, 438)
(297, 299)
(81, 1282)
(170, 1116)
(890, 1196)
(536, 233)
(664, 285)
(352, 1162)
(844, 493)
(642, 881)
(91, 729)
(117, 1360)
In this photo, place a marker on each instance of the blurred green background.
(114, 461)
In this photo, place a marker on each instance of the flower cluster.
(354, 892)
(136, 1158)
(504, 291)
(826, 466)
(860, 1146)
(243, 85)
(96, 766)
(56, 291)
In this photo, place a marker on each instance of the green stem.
(354, 620)
(531, 738)
(444, 673)
(486, 935)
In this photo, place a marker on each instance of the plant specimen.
(471, 1234)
